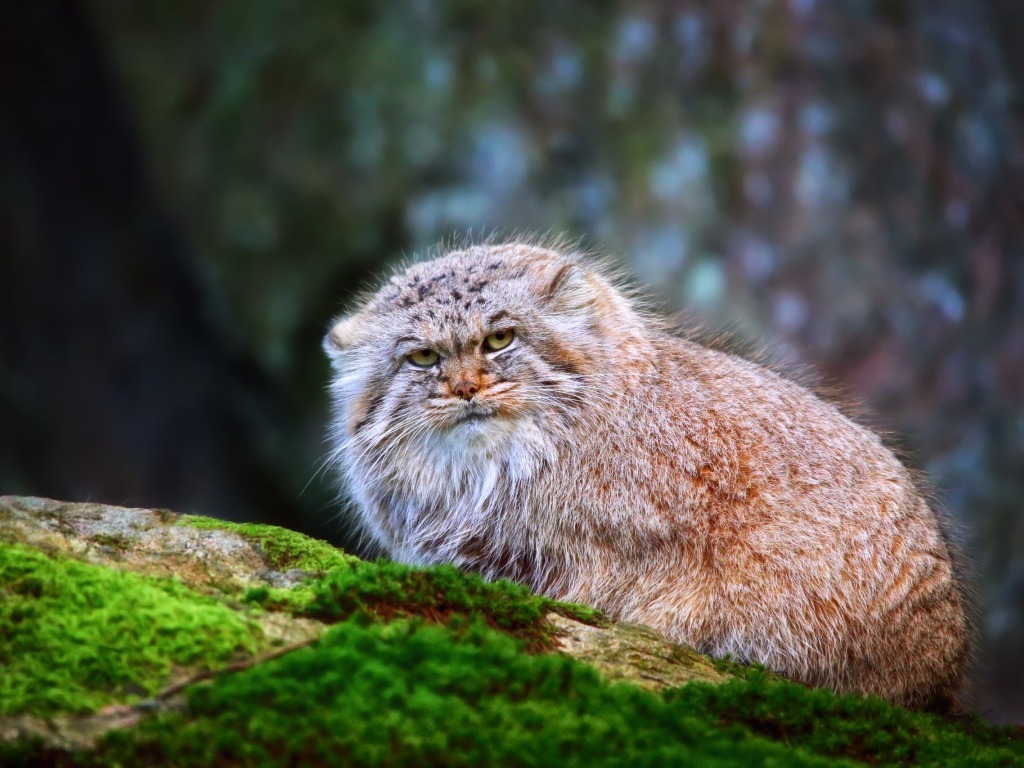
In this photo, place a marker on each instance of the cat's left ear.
(558, 280)
(570, 287)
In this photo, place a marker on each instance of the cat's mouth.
(474, 414)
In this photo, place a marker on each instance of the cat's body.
(601, 459)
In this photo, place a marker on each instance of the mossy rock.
(142, 637)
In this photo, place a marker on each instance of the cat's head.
(470, 347)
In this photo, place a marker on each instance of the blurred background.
(190, 190)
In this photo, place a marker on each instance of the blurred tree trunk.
(114, 386)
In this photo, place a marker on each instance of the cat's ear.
(342, 335)
(558, 280)
(569, 287)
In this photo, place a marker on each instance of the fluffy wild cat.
(507, 409)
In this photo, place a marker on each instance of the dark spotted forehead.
(448, 287)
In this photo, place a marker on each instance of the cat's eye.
(499, 340)
(423, 358)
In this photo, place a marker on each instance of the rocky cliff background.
(189, 191)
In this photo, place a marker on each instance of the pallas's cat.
(508, 409)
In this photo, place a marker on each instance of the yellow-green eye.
(499, 340)
(423, 358)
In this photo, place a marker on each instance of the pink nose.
(465, 389)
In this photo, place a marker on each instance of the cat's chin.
(481, 429)
(475, 417)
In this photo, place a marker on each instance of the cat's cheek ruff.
(422, 493)
(425, 501)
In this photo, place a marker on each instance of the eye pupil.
(499, 340)
(423, 358)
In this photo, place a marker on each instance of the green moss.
(729, 666)
(581, 613)
(408, 693)
(293, 600)
(864, 729)
(285, 549)
(75, 636)
(458, 689)
(350, 585)
(385, 590)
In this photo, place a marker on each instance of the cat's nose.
(466, 389)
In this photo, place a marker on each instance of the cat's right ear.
(342, 336)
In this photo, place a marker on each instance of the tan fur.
(610, 462)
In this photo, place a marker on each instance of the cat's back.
(706, 428)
